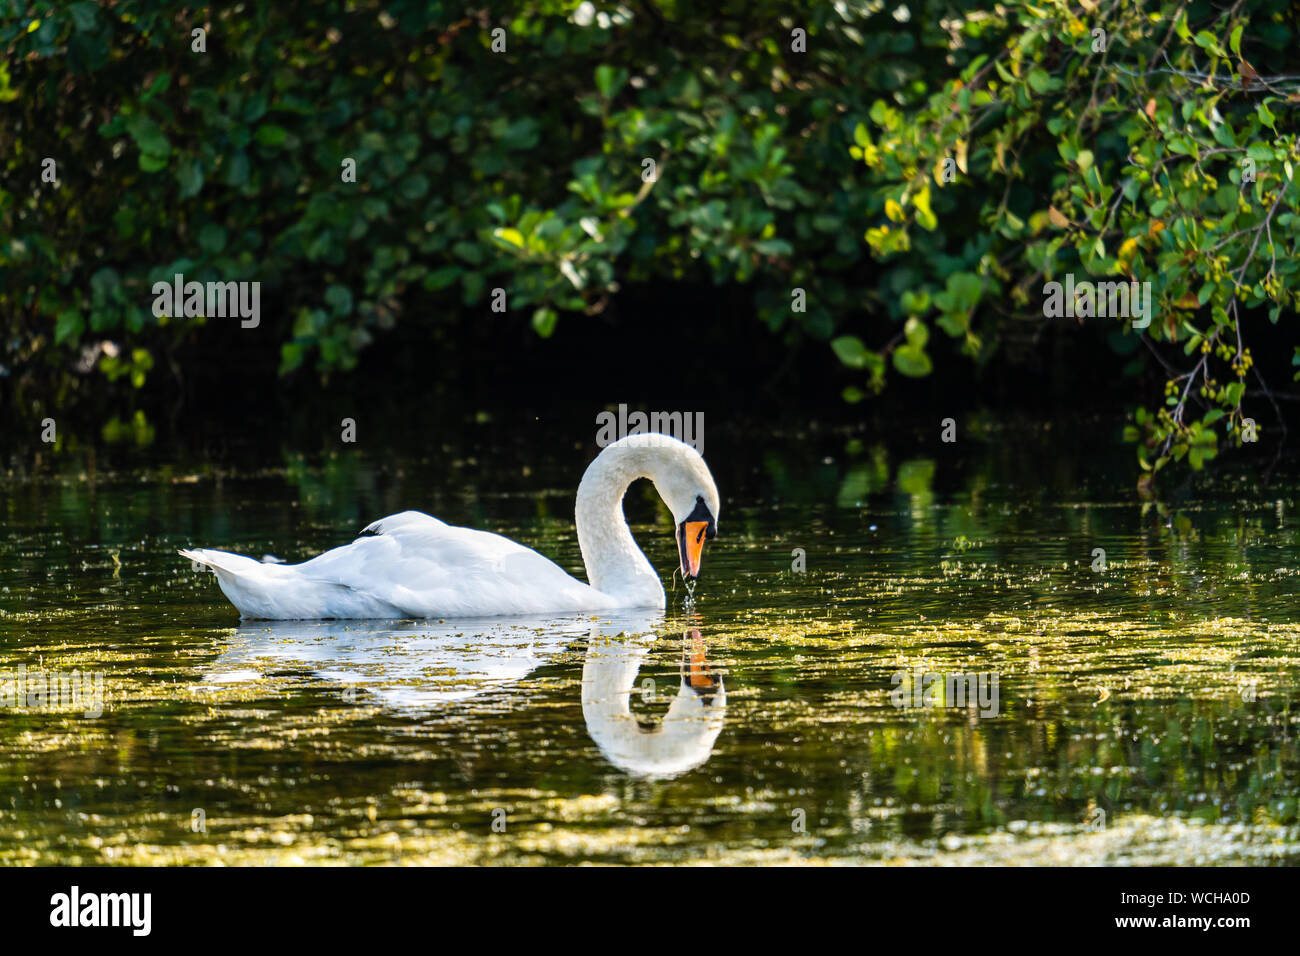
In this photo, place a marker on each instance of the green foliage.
(1122, 161)
(475, 169)
(526, 170)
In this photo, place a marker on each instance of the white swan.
(410, 565)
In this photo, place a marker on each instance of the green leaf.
(773, 247)
(544, 320)
(916, 332)
(84, 16)
(190, 176)
(915, 303)
(912, 361)
(441, 278)
(339, 298)
(148, 135)
(1040, 81)
(255, 108)
(956, 324)
(269, 134)
(510, 236)
(69, 325)
(212, 238)
(1208, 41)
(414, 187)
(237, 171)
(923, 214)
(851, 351)
(609, 80)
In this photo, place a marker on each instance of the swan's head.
(684, 482)
(692, 531)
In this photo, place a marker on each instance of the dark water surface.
(1143, 713)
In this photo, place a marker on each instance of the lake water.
(1137, 706)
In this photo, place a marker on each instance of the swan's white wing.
(428, 568)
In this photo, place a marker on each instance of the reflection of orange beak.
(698, 662)
(692, 547)
(695, 667)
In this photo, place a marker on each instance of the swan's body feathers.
(408, 565)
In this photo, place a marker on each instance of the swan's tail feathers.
(227, 567)
(252, 587)
(268, 591)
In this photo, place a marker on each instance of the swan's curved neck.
(615, 565)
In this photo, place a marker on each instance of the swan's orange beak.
(690, 543)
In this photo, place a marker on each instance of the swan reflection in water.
(683, 739)
(422, 666)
